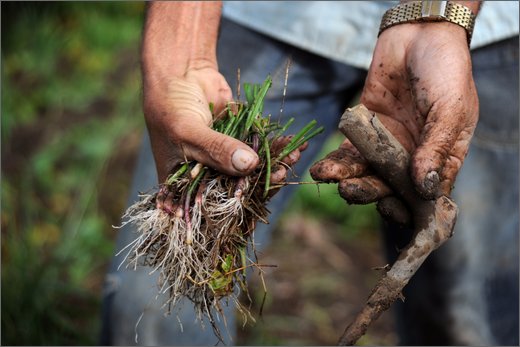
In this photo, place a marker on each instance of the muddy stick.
(433, 220)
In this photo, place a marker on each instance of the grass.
(198, 245)
(71, 126)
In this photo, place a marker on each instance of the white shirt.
(346, 31)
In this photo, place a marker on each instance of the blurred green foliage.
(70, 117)
(323, 202)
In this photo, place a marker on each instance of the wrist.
(178, 37)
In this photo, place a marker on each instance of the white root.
(188, 256)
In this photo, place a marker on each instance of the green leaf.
(219, 282)
(248, 91)
(227, 263)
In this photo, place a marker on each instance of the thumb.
(445, 142)
(196, 139)
(221, 152)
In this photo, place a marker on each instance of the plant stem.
(299, 139)
(284, 128)
(177, 174)
(189, 231)
(256, 141)
(257, 106)
(268, 167)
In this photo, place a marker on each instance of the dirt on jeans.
(321, 281)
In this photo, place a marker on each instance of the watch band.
(424, 11)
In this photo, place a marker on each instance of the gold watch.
(427, 11)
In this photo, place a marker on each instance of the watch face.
(434, 8)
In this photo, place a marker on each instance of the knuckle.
(355, 193)
(279, 175)
(325, 170)
(214, 147)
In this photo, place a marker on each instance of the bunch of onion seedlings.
(201, 248)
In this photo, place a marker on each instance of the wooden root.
(433, 219)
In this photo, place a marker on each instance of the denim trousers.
(476, 272)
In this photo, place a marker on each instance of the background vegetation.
(71, 123)
(71, 126)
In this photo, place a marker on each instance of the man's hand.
(420, 85)
(178, 119)
(180, 80)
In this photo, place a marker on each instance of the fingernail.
(294, 156)
(242, 159)
(279, 175)
(431, 184)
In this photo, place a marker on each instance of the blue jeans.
(318, 88)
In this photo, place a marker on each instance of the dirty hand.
(178, 118)
(421, 87)
(180, 80)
